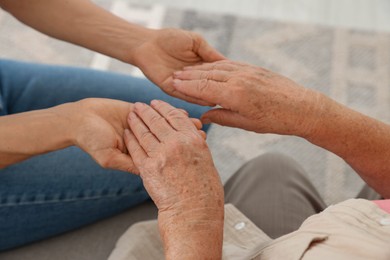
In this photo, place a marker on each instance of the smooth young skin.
(95, 125)
(158, 53)
(259, 100)
(177, 170)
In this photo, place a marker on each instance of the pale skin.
(259, 100)
(95, 125)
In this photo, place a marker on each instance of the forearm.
(361, 141)
(193, 233)
(80, 22)
(32, 133)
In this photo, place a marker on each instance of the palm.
(104, 142)
(170, 51)
(102, 133)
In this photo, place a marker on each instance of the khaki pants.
(273, 192)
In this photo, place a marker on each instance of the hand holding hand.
(98, 126)
(168, 50)
(251, 98)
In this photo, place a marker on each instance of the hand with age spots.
(259, 100)
(251, 97)
(176, 167)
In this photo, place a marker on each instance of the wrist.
(195, 233)
(317, 106)
(132, 38)
(69, 119)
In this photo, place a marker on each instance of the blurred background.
(338, 47)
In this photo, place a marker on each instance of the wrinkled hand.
(178, 172)
(168, 50)
(251, 98)
(99, 127)
(171, 154)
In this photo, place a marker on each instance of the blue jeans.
(63, 190)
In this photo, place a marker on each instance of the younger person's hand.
(165, 51)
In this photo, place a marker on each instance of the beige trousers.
(273, 192)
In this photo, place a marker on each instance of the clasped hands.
(168, 149)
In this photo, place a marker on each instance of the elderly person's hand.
(178, 172)
(262, 101)
(162, 52)
(251, 97)
(98, 126)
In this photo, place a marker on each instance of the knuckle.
(175, 147)
(156, 119)
(210, 75)
(174, 114)
(134, 150)
(203, 86)
(203, 74)
(144, 136)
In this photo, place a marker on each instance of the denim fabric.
(63, 190)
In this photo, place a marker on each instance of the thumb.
(226, 117)
(115, 159)
(207, 52)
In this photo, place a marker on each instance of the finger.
(175, 118)
(136, 152)
(205, 50)
(157, 124)
(184, 111)
(216, 75)
(226, 117)
(173, 92)
(145, 138)
(204, 89)
(123, 162)
(114, 159)
(198, 124)
(203, 134)
(219, 65)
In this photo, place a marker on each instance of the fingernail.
(177, 73)
(176, 82)
(127, 131)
